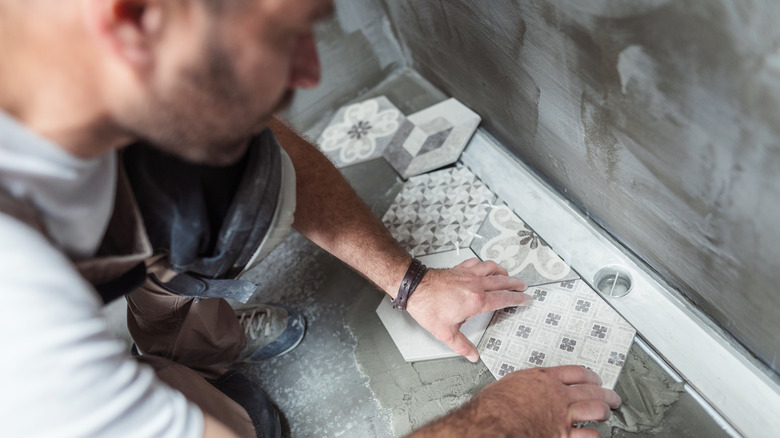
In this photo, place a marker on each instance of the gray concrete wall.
(357, 50)
(661, 119)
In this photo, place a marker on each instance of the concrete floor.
(347, 379)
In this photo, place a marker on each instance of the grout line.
(548, 283)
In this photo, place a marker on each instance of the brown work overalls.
(172, 331)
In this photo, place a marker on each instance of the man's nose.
(306, 69)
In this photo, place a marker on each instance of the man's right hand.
(540, 402)
(447, 298)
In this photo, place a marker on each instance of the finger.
(503, 298)
(575, 375)
(584, 433)
(589, 411)
(502, 282)
(461, 345)
(488, 267)
(592, 392)
(469, 263)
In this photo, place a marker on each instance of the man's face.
(225, 77)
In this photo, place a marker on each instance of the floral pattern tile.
(566, 324)
(415, 343)
(510, 242)
(439, 211)
(361, 131)
(432, 138)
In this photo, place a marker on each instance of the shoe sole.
(298, 342)
(292, 347)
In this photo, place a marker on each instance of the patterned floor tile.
(414, 342)
(567, 324)
(507, 240)
(361, 131)
(432, 138)
(438, 212)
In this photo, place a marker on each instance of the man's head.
(196, 77)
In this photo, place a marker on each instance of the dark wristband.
(412, 279)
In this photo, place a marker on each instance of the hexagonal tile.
(361, 131)
(568, 323)
(510, 242)
(432, 138)
(439, 211)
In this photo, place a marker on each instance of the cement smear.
(415, 393)
(317, 386)
(647, 392)
(666, 136)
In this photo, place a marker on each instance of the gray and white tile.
(439, 211)
(510, 242)
(432, 138)
(361, 131)
(414, 342)
(566, 324)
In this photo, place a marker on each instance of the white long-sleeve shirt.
(61, 372)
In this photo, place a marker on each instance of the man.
(81, 79)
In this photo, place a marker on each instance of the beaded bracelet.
(412, 279)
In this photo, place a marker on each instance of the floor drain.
(613, 281)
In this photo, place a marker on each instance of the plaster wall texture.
(660, 119)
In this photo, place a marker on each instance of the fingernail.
(527, 300)
(473, 358)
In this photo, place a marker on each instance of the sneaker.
(270, 330)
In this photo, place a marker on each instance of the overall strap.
(22, 210)
(118, 267)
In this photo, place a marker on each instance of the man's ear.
(129, 28)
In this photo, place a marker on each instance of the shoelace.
(255, 322)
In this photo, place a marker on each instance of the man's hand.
(541, 402)
(331, 215)
(446, 298)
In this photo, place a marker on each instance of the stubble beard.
(207, 117)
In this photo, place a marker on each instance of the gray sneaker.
(270, 329)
